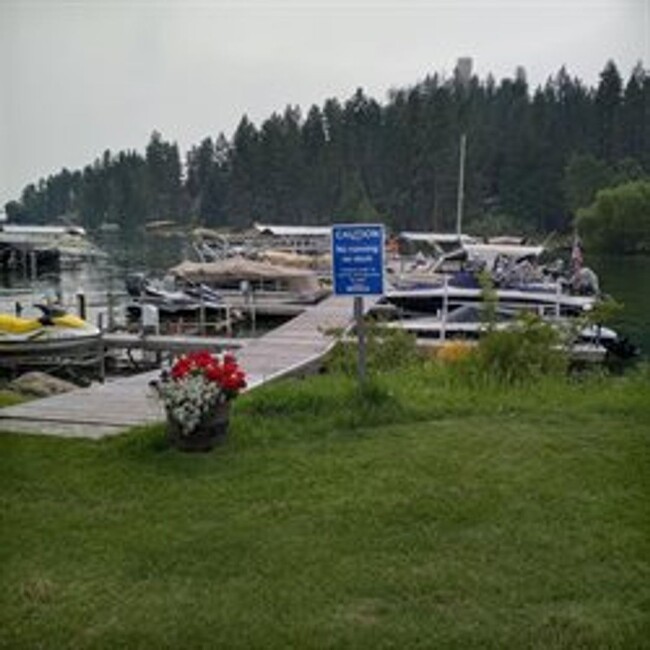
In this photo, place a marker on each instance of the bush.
(619, 219)
(455, 351)
(528, 352)
(386, 349)
(9, 398)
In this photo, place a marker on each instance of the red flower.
(224, 371)
(181, 368)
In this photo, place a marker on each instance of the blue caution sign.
(358, 260)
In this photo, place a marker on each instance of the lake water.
(626, 279)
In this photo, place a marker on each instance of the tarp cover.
(240, 268)
(296, 260)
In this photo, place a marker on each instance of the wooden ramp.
(110, 408)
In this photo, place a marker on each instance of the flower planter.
(199, 382)
(211, 431)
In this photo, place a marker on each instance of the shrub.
(386, 349)
(9, 398)
(454, 351)
(527, 352)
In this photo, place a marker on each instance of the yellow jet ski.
(54, 330)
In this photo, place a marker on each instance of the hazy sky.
(79, 77)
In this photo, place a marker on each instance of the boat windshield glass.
(477, 314)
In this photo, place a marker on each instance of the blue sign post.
(358, 270)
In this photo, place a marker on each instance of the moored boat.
(55, 331)
(238, 279)
(515, 277)
(190, 300)
(472, 321)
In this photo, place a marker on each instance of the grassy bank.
(424, 513)
(10, 397)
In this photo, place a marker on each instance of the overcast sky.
(79, 77)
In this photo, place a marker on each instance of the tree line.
(534, 156)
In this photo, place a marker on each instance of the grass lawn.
(9, 398)
(419, 515)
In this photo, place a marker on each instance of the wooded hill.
(533, 157)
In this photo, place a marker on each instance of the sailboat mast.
(461, 187)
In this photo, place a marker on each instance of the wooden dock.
(108, 409)
(176, 343)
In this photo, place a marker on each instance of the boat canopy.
(296, 260)
(214, 233)
(37, 230)
(507, 239)
(293, 231)
(436, 237)
(240, 268)
(490, 252)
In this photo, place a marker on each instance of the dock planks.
(110, 408)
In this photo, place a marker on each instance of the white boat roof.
(236, 268)
(21, 229)
(436, 237)
(489, 252)
(503, 295)
(506, 239)
(293, 231)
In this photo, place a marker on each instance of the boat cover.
(240, 268)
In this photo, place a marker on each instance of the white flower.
(189, 399)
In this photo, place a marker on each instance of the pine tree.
(608, 106)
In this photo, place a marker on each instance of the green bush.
(528, 352)
(9, 398)
(386, 349)
(618, 220)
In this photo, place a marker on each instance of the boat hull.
(431, 301)
(48, 347)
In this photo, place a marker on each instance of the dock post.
(33, 265)
(253, 314)
(110, 308)
(201, 312)
(102, 359)
(445, 311)
(81, 304)
(246, 289)
(361, 336)
(228, 321)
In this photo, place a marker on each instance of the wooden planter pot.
(211, 431)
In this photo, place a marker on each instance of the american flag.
(576, 254)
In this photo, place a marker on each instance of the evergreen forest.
(534, 157)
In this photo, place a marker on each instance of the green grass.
(10, 397)
(423, 513)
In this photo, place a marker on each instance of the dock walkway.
(110, 408)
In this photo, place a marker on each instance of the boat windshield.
(477, 314)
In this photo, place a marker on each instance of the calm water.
(627, 279)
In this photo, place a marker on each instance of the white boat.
(238, 280)
(470, 322)
(194, 298)
(432, 299)
(517, 280)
